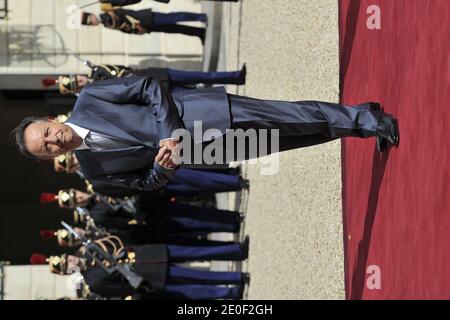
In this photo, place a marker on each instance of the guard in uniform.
(186, 182)
(155, 218)
(108, 4)
(154, 263)
(171, 79)
(146, 21)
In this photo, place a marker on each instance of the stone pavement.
(294, 218)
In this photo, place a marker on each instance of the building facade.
(39, 38)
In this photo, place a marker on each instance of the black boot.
(242, 75)
(244, 184)
(245, 246)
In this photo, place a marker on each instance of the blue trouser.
(180, 275)
(164, 19)
(191, 182)
(181, 225)
(181, 77)
(168, 23)
(204, 292)
(187, 218)
(227, 252)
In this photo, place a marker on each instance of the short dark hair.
(18, 134)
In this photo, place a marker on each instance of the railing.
(3, 9)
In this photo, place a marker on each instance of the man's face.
(72, 262)
(82, 80)
(48, 139)
(93, 20)
(81, 198)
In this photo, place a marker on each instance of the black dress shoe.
(202, 36)
(241, 292)
(245, 281)
(375, 106)
(245, 184)
(388, 132)
(235, 170)
(245, 246)
(382, 144)
(204, 18)
(243, 75)
(240, 217)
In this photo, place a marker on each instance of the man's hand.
(140, 29)
(164, 158)
(168, 143)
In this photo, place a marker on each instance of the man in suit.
(121, 130)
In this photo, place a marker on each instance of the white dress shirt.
(82, 132)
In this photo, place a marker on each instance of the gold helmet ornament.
(57, 264)
(80, 215)
(62, 118)
(65, 198)
(66, 83)
(64, 237)
(64, 162)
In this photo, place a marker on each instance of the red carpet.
(397, 206)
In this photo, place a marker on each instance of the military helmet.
(64, 237)
(67, 83)
(64, 162)
(57, 264)
(65, 198)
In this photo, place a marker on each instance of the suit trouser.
(227, 252)
(204, 292)
(180, 275)
(310, 122)
(283, 125)
(192, 182)
(187, 218)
